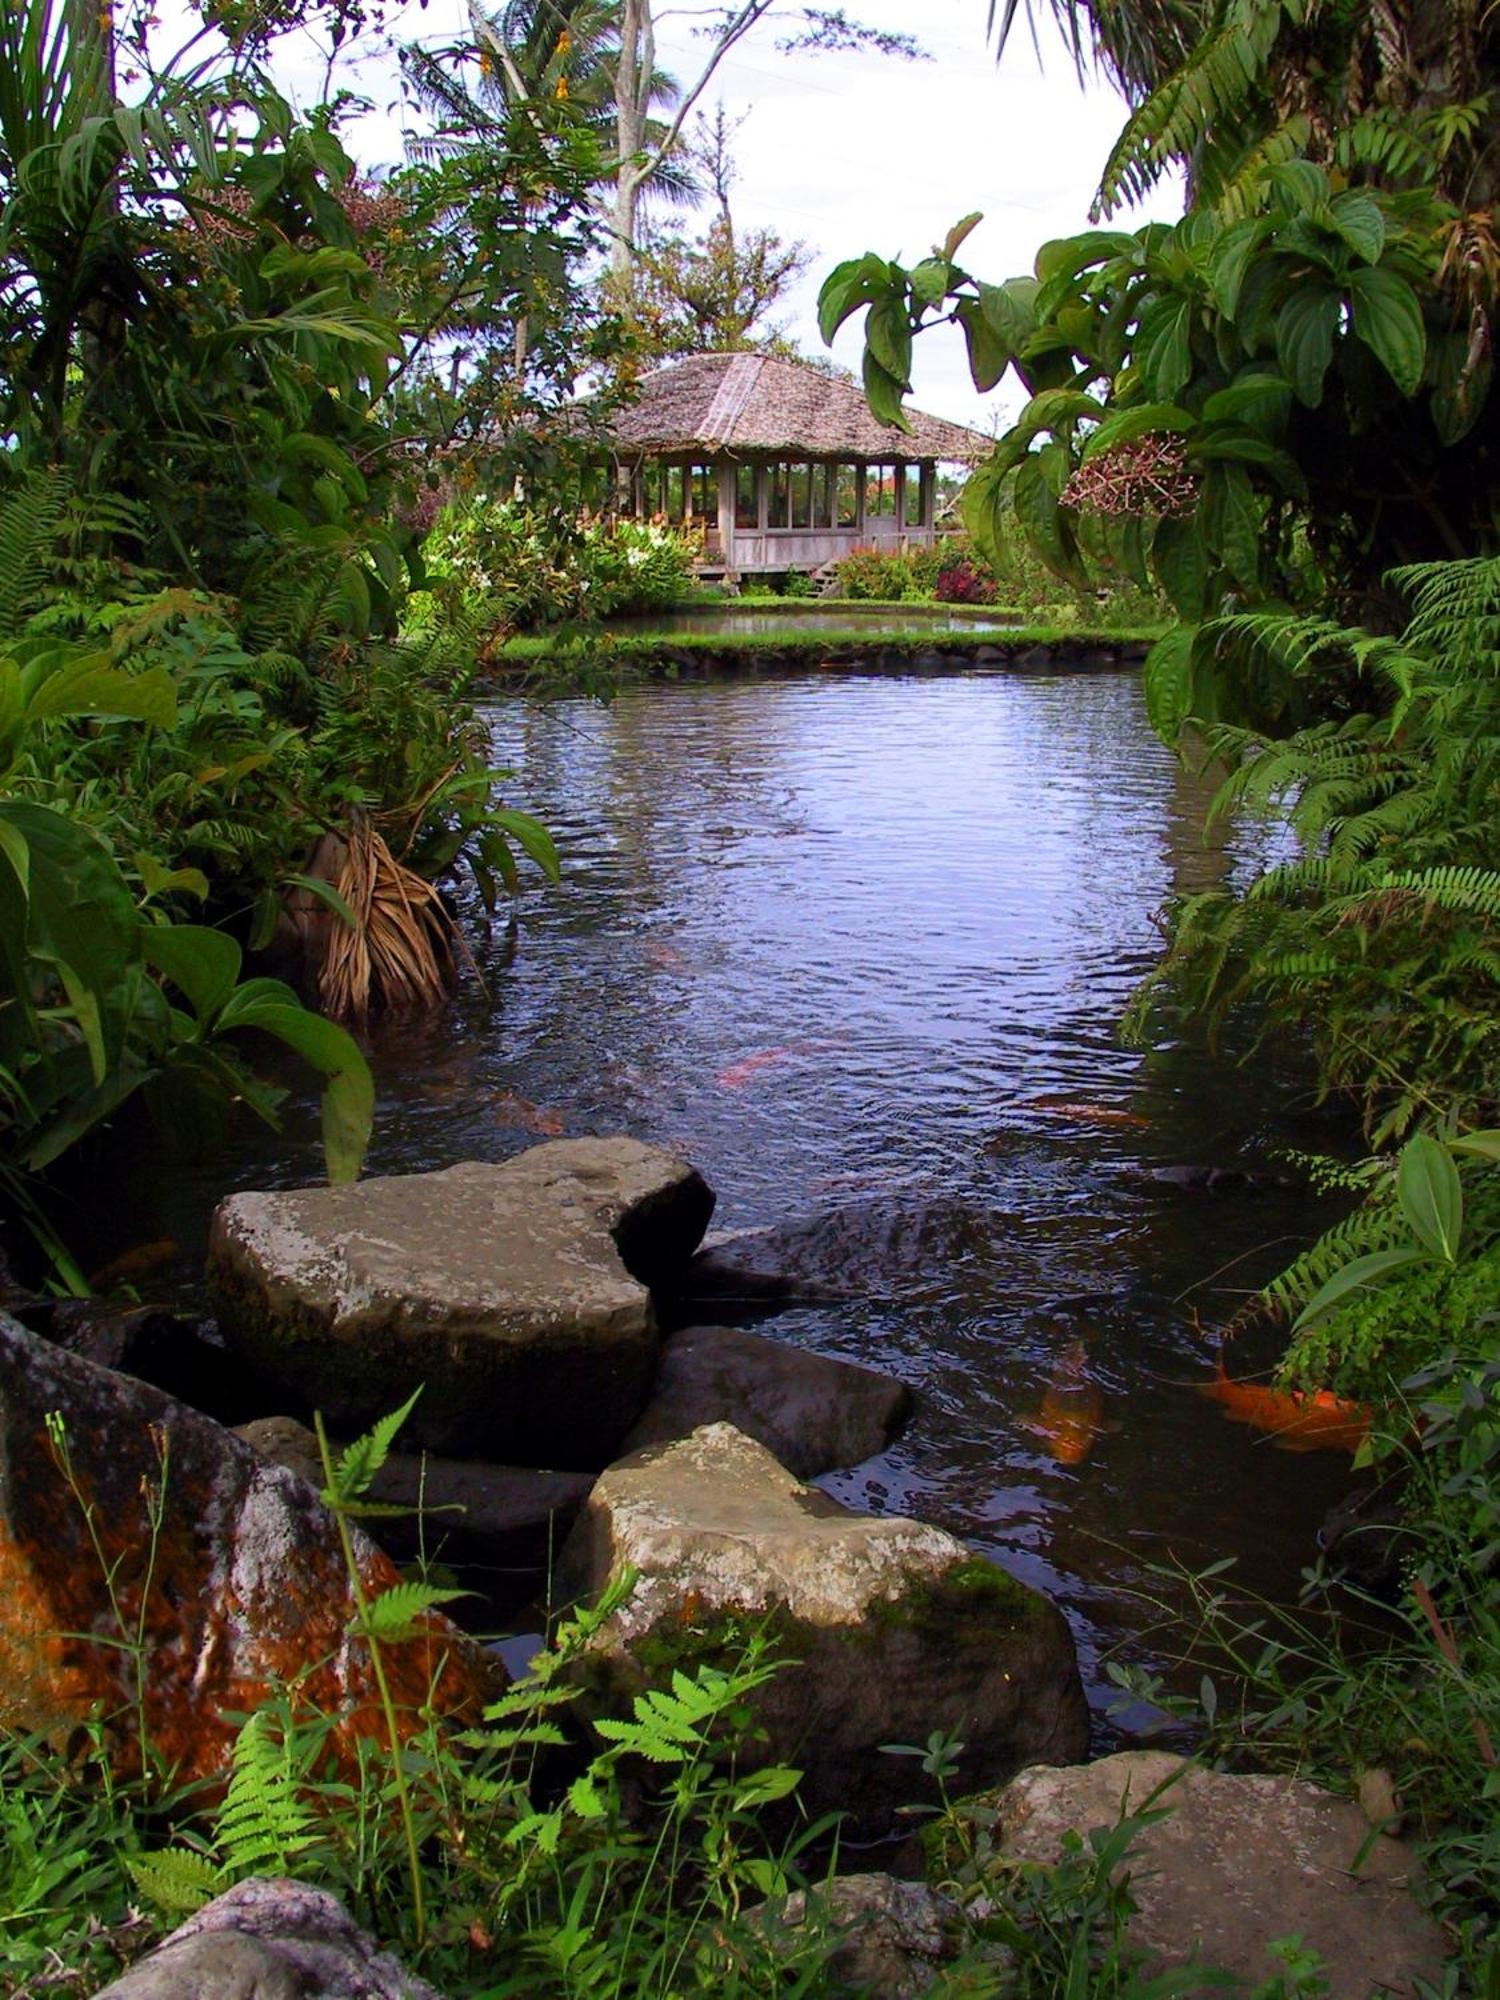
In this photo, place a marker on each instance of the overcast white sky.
(853, 153)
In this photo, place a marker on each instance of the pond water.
(847, 620)
(863, 941)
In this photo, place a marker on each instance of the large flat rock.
(896, 1628)
(515, 1295)
(812, 1412)
(154, 1569)
(1236, 1863)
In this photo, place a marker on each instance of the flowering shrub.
(965, 582)
(520, 568)
(917, 576)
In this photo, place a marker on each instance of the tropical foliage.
(210, 526)
(517, 566)
(1382, 933)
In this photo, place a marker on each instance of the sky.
(850, 153)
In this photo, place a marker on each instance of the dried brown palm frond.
(397, 954)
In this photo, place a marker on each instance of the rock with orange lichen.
(148, 1523)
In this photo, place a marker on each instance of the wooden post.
(727, 488)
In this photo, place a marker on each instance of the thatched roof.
(710, 404)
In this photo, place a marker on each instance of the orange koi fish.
(1070, 1417)
(739, 1074)
(1297, 1419)
(1086, 1114)
(519, 1114)
(132, 1264)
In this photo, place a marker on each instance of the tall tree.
(710, 293)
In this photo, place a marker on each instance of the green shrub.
(518, 567)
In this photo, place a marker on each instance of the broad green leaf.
(1179, 557)
(1066, 256)
(1260, 395)
(981, 506)
(1168, 678)
(306, 447)
(81, 919)
(14, 849)
(325, 893)
(960, 232)
(989, 354)
(158, 880)
(1486, 1145)
(1431, 1195)
(1305, 330)
(1055, 408)
(888, 337)
(1121, 426)
(766, 1786)
(349, 1094)
(1358, 219)
(1305, 185)
(90, 686)
(1245, 448)
(1388, 319)
(855, 283)
(531, 837)
(1037, 511)
(1362, 1271)
(203, 963)
(930, 280)
(883, 393)
(1231, 521)
(1164, 349)
(1230, 260)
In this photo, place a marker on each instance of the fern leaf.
(397, 1612)
(359, 1462)
(264, 1822)
(178, 1880)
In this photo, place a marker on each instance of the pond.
(861, 943)
(904, 621)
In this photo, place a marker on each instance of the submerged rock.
(515, 1295)
(270, 1939)
(460, 1509)
(155, 1570)
(815, 1414)
(873, 1247)
(1238, 1862)
(897, 1629)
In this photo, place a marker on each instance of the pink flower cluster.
(1147, 475)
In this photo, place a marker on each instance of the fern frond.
(29, 519)
(264, 1823)
(178, 1880)
(359, 1462)
(1219, 78)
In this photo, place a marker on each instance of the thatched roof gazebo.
(783, 467)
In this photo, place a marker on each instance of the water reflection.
(867, 939)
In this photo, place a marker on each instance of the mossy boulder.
(895, 1629)
(515, 1296)
(157, 1576)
